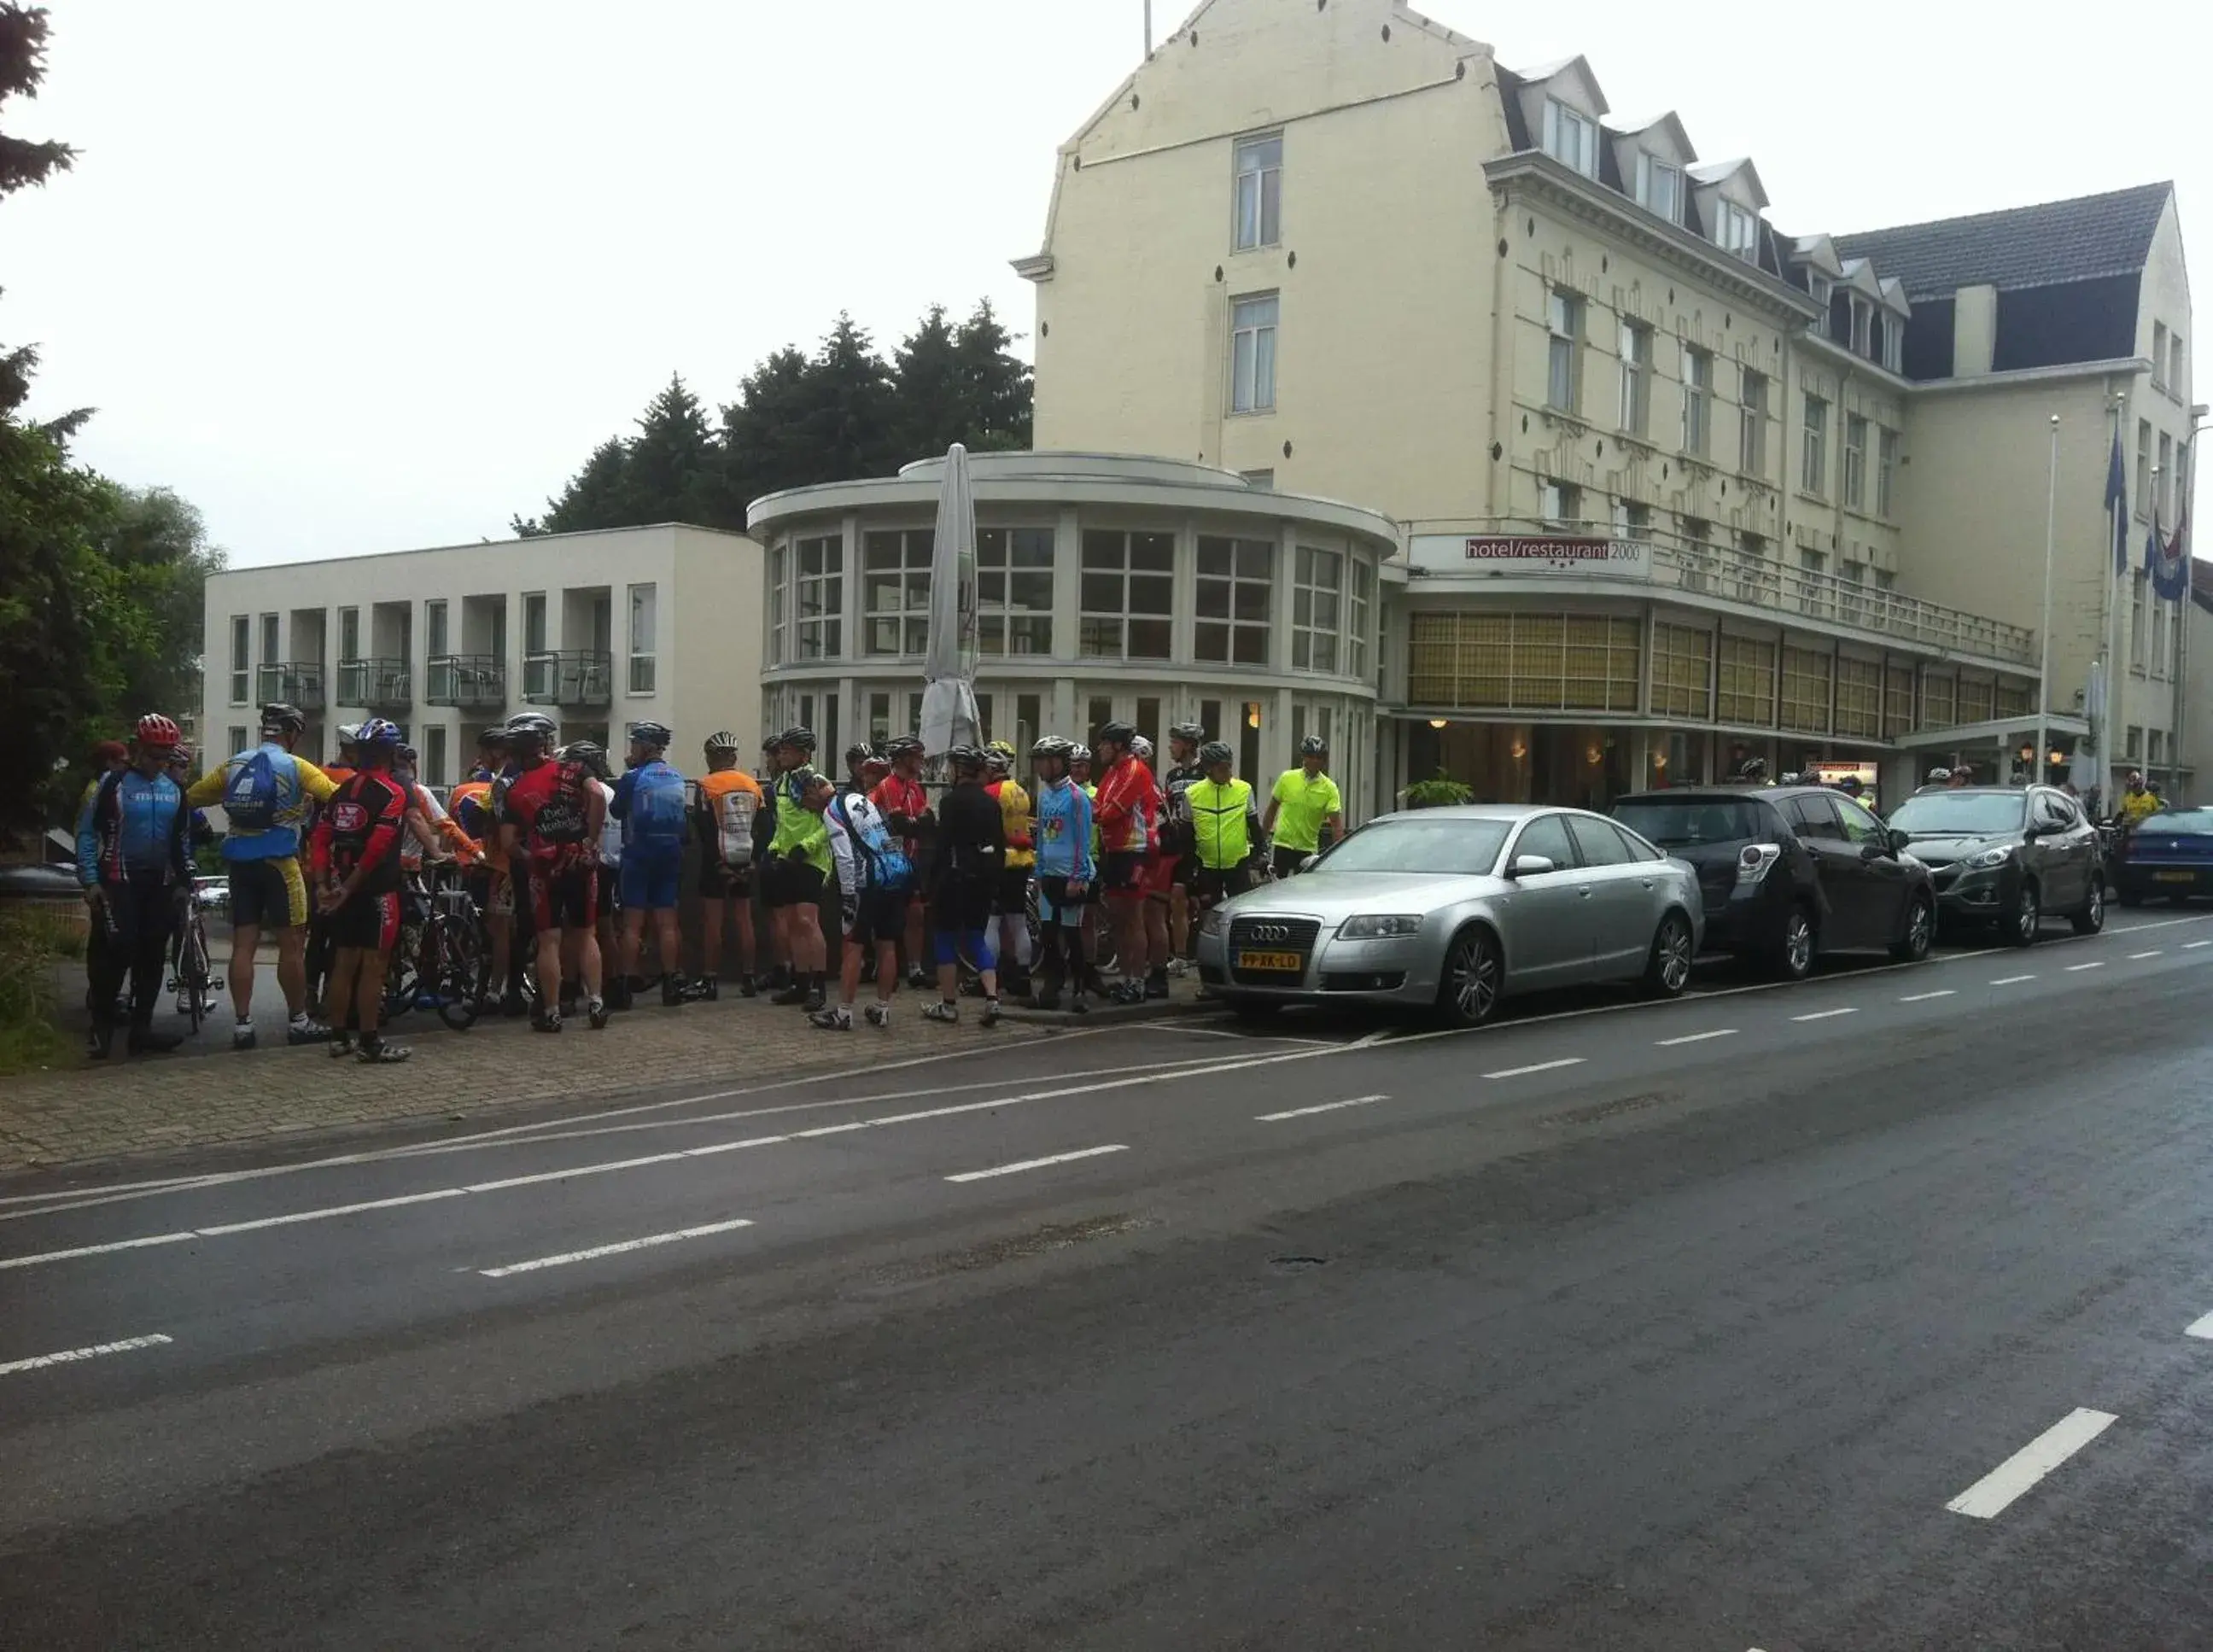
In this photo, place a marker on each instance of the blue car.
(2170, 853)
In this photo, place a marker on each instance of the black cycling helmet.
(959, 758)
(857, 753)
(1215, 751)
(1193, 732)
(1119, 733)
(279, 714)
(493, 740)
(530, 729)
(721, 741)
(901, 745)
(1051, 745)
(590, 755)
(656, 734)
(797, 735)
(1313, 746)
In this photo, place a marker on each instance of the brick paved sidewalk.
(157, 1104)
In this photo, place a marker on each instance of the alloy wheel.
(1797, 944)
(2028, 915)
(1472, 978)
(1674, 960)
(1920, 932)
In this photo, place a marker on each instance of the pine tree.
(669, 459)
(996, 386)
(597, 495)
(932, 400)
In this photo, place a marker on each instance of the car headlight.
(1370, 927)
(1990, 857)
(1211, 921)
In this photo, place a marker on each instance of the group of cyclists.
(1087, 882)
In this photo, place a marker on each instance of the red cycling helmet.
(154, 729)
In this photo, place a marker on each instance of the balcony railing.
(294, 683)
(476, 681)
(380, 685)
(569, 678)
(1766, 583)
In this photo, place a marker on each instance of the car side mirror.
(1899, 840)
(2032, 832)
(1531, 866)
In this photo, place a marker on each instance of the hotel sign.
(1508, 557)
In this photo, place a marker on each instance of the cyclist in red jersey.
(354, 858)
(900, 797)
(1127, 809)
(551, 820)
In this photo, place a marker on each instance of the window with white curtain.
(1252, 354)
(1260, 191)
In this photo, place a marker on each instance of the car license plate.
(2174, 877)
(1290, 961)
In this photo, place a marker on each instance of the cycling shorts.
(960, 908)
(1159, 876)
(1014, 893)
(720, 882)
(879, 919)
(649, 877)
(370, 923)
(1218, 883)
(787, 882)
(268, 894)
(568, 898)
(1122, 874)
(1057, 905)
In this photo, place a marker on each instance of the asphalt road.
(1853, 1314)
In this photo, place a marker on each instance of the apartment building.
(1149, 591)
(597, 629)
(1653, 461)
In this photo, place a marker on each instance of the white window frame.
(643, 662)
(438, 629)
(1813, 452)
(1253, 320)
(2159, 354)
(350, 622)
(241, 658)
(1885, 469)
(2162, 481)
(1359, 614)
(1856, 435)
(1570, 137)
(1894, 341)
(1236, 629)
(1001, 558)
(272, 635)
(779, 601)
(1752, 422)
(1698, 400)
(912, 551)
(1662, 179)
(1256, 195)
(2176, 378)
(1315, 639)
(1559, 503)
(1863, 341)
(1636, 355)
(818, 633)
(1736, 229)
(536, 639)
(1093, 569)
(1563, 326)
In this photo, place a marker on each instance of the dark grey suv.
(2002, 857)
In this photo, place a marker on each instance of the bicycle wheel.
(460, 951)
(193, 978)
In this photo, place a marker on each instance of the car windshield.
(1959, 813)
(1450, 845)
(1687, 822)
(2181, 822)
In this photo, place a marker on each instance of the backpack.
(252, 794)
(889, 868)
(561, 816)
(656, 808)
(736, 813)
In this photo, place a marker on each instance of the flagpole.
(2036, 770)
(2117, 514)
(2184, 467)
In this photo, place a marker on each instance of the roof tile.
(2080, 240)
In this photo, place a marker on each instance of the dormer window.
(1893, 344)
(1571, 138)
(1736, 230)
(1660, 187)
(1862, 327)
(1820, 286)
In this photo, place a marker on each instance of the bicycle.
(442, 953)
(191, 977)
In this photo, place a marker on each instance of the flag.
(2168, 562)
(2117, 505)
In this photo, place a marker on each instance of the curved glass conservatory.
(1147, 589)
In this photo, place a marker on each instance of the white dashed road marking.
(70, 1357)
(2192, 946)
(2134, 956)
(1327, 1106)
(2202, 1329)
(1922, 998)
(619, 1249)
(2076, 969)
(1037, 1164)
(1696, 1038)
(1825, 1014)
(1536, 1067)
(2008, 980)
(1993, 1494)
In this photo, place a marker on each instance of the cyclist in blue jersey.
(651, 802)
(267, 794)
(1067, 873)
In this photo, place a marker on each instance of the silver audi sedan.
(1455, 909)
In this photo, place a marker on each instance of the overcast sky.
(356, 278)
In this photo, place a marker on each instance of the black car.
(1789, 872)
(2002, 857)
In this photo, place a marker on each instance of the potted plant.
(1439, 792)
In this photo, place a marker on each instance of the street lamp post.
(2044, 633)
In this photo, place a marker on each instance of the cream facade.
(1148, 590)
(1343, 250)
(597, 629)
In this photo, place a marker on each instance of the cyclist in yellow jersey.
(2137, 801)
(1304, 810)
(1019, 864)
(267, 794)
